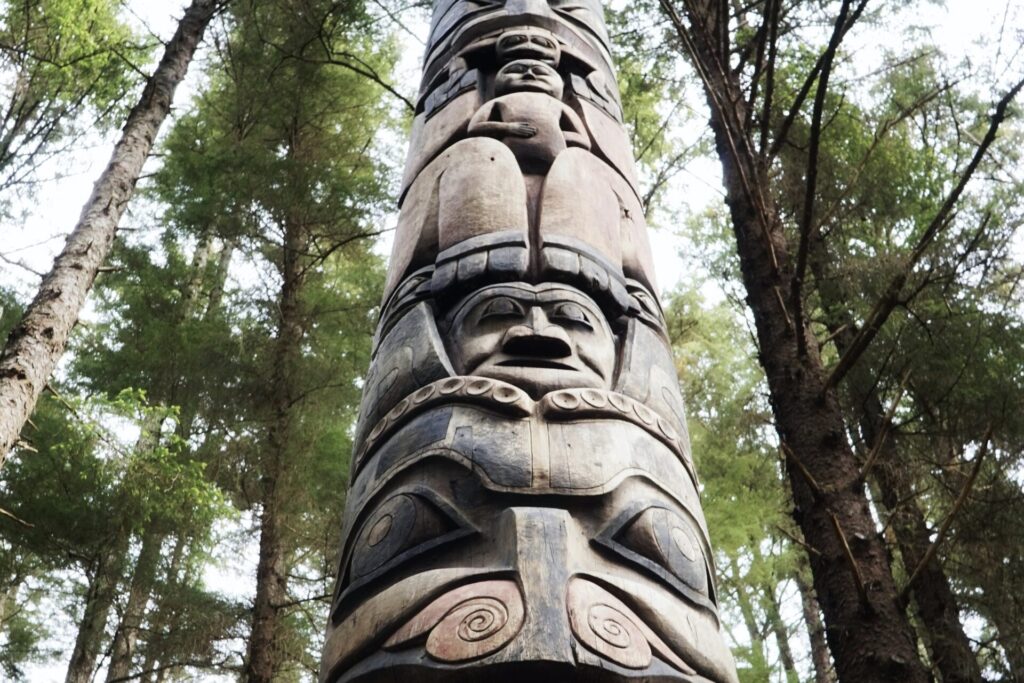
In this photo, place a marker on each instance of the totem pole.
(523, 498)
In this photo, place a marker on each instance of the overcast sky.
(983, 30)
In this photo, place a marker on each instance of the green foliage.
(63, 61)
(745, 501)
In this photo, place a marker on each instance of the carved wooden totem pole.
(523, 499)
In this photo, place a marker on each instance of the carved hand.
(522, 130)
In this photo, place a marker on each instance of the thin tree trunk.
(937, 608)
(820, 657)
(870, 636)
(99, 598)
(164, 619)
(103, 585)
(138, 596)
(9, 602)
(781, 634)
(220, 277)
(200, 261)
(264, 654)
(36, 344)
(757, 654)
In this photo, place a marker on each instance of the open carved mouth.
(535, 363)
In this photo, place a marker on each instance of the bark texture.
(38, 341)
(938, 612)
(127, 634)
(264, 656)
(820, 657)
(99, 598)
(867, 628)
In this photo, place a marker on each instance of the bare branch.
(944, 529)
(805, 89)
(20, 264)
(891, 298)
(886, 428)
(811, 190)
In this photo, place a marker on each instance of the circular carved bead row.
(504, 398)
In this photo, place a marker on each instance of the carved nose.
(529, 343)
(538, 338)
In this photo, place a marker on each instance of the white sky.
(974, 29)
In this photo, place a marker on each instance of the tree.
(65, 59)
(280, 157)
(869, 633)
(38, 341)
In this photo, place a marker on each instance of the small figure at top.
(529, 116)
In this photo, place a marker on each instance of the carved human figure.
(528, 42)
(541, 338)
(528, 115)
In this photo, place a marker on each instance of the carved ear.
(404, 526)
(666, 543)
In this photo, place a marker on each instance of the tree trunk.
(939, 614)
(264, 654)
(757, 655)
(870, 636)
(820, 657)
(36, 344)
(138, 596)
(198, 267)
(98, 600)
(936, 605)
(220, 278)
(9, 602)
(781, 633)
(164, 619)
(105, 580)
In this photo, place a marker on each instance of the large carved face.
(530, 43)
(540, 338)
(529, 75)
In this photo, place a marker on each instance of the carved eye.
(516, 69)
(405, 526)
(667, 539)
(573, 313)
(503, 307)
(667, 544)
(544, 42)
(399, 525)
(514, 40)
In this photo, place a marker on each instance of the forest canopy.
(833, 188)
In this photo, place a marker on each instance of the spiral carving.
(613, 627)
(475, 628)
(467, 623)
(606, 626)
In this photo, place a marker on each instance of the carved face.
(540, 339)
(529, 43)
(529, 75)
